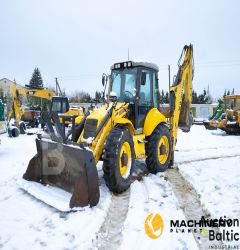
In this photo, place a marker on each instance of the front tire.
(159, 149)
(119, 158)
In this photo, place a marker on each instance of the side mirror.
(143, 78)
(104, 79)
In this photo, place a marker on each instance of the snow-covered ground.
(27, 223)
(210, 161)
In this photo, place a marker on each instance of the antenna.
(128, 54)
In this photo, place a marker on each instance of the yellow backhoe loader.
(128, 127)
(59, 105)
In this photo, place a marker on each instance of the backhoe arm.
(16, 109)
(181, 95)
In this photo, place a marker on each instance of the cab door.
(146, 94)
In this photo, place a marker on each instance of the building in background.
(5, 86)
(199, 111)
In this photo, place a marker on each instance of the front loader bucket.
(185, 118)
(68, 167)
(209, 125)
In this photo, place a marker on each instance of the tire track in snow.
(190, 203)
(206, 148)
(110, 233)
(207, 158)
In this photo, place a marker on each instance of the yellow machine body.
(230, 122)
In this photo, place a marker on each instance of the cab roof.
(232, 96)
(130, 64)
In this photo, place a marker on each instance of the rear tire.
(22, 127)
(159, 149)
(119, 158)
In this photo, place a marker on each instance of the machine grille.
(90, 128)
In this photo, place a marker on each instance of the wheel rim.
(163, 149)
(125, 160)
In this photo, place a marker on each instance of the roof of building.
(5, 79)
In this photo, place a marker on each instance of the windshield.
(230, 103)
(124, 84)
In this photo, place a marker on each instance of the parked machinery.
(227, 117)
(59, 105)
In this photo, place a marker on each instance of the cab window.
(124, 84)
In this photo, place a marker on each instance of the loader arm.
(16, 109)
(181, 95)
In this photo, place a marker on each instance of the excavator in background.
(227, 117)
(128, 127)
(59, 104)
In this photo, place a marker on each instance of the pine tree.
(202, 98)
(98, 97)
(167, 97)
(162, 97)
(225, 93)
(194, 97)
(36, 80)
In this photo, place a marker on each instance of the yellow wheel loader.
(230, 120)
(128, 127)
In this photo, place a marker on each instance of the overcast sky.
(79, 40)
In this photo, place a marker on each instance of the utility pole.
(58, 88)
(169, 82)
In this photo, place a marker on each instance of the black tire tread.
(111, 152)
(151, 147)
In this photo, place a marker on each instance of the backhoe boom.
(181, 95)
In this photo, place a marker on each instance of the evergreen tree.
(162, 97)
(167, 97)
(194, 97)
(98, 97)
(225, 93)
(36, 80)
(202, 98)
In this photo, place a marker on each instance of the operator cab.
(136, 83)
(232, 102)
(59, 104)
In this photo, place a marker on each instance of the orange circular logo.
(154, 225)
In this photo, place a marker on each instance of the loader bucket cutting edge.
(68, 167)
